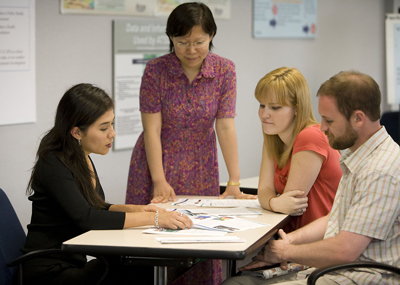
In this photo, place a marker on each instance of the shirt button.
(192, 85)
(186, 127)
(188, 115)
(189, 101)
(185, 139)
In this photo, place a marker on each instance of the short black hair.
(187, 15)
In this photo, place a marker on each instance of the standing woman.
(67, 197)
(299, 171)
(182, 95)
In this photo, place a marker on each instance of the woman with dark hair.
(66, 194)
(182, 95)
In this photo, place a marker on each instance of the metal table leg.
(160, 275)
(230, 268)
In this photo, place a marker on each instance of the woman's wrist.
(159, 182)
(233, 183)
(269, 203)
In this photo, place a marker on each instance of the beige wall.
(77, 48)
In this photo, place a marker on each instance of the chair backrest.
(391, 122)
(12, 238)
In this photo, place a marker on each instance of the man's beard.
(345, 141)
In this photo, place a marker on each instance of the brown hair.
(353, 91)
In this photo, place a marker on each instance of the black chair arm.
(37, 253)
(31, 255)
(312, 279)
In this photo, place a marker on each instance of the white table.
(132, 242)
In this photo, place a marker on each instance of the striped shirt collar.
(353, 159)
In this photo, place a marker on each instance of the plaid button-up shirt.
(368, 203)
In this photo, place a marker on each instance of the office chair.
(312, 279)
(12, 238)
(391, 122)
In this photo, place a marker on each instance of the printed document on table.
(225, 223)
(210, 225)
(199, 239)
(221, 203)
(239, 211)
(186, 232)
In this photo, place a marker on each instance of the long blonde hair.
(291, 89)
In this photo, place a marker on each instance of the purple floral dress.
(189, 110)
(189, 147)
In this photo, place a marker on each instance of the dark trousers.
(62, 272)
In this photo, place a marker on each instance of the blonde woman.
(299, 171)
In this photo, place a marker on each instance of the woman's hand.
(234, 191)
(290, 202)
(163, 192)
(174, 220)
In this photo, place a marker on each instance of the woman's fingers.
(174, 220)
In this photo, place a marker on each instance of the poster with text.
(135, 43)
(392, 24)
(221, 9)
(150, 8)
(17, 62)
(284, 19)
(109, 7)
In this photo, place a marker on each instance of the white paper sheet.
(199, 239)
(220, 203)
(239, 211)
(210, 225)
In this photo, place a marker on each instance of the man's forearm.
(312, 232)
(345, 247)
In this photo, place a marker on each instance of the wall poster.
(392, 24)
(221, 9)
(284, 19)
(17, 62)
(134, 43)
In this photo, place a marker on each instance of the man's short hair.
(353, 91)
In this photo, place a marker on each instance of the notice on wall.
(108, 7)
(17, 62)
(135, 43)
(284, 18)
(151, 8)
(221, 9)
(392, 24)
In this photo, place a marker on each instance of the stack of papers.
(221, 203)
(239, 211)
(210, 225)
(211, 221)
(199, 239)
(186, 232)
